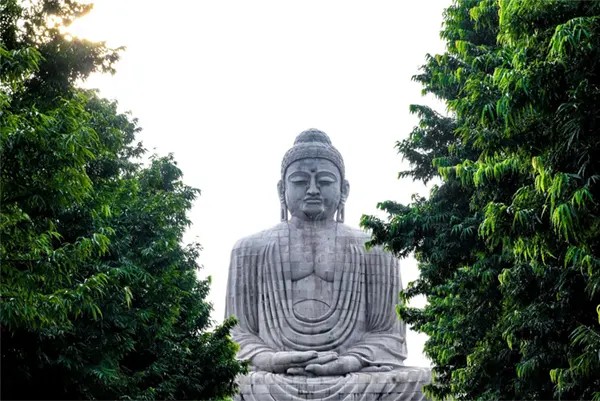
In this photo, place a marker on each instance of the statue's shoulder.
(351, 233)
(262, 238)
(358, 237)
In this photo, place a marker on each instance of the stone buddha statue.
(316, 309)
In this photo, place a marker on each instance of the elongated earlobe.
(284, 212)
(341, 210)
(340, 213)
(283, 207)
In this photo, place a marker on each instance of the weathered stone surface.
(316, 309)
(400, 384)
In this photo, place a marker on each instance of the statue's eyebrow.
(327, 173)
(295, 173)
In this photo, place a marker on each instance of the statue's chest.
(313, 266)
(313, 253)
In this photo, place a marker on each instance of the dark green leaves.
(100, 298)
(508, 244)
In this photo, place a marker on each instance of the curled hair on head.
(313, 143)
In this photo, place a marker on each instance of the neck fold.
(299, 223)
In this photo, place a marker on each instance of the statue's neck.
(300, 223)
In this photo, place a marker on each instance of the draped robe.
(361, 320)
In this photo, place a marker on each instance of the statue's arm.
(242, 302)
(384, 340)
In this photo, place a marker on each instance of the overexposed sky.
(227, 85)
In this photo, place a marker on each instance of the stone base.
(402, 384)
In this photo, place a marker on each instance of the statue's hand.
(322, 358)
(280, 362)
(339, 366)
(283, 360)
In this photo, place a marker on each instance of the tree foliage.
(100, 299)
(508, 241)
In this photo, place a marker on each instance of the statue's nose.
(313, 189)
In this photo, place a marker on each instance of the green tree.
(508, 243)
(100, 299)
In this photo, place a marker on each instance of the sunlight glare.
(99, 25)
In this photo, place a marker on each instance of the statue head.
(313, 185)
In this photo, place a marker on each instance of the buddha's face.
(313, 189)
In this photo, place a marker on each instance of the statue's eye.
(299, 182)
(326, 181)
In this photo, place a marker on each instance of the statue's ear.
(283, 208)
(341, 210)
(345, 190)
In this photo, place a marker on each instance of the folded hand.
(280, 362)
(339, 366)
(320, 359)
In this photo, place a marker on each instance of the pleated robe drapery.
(362, 319)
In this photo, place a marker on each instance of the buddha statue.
(316, 309)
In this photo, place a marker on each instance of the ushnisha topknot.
(312, 143)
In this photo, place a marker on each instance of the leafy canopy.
(100, 298)
(508, 242)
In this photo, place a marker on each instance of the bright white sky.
(227, 85)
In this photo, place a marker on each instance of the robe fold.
(361, 320)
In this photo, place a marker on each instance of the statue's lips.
(313, 201)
